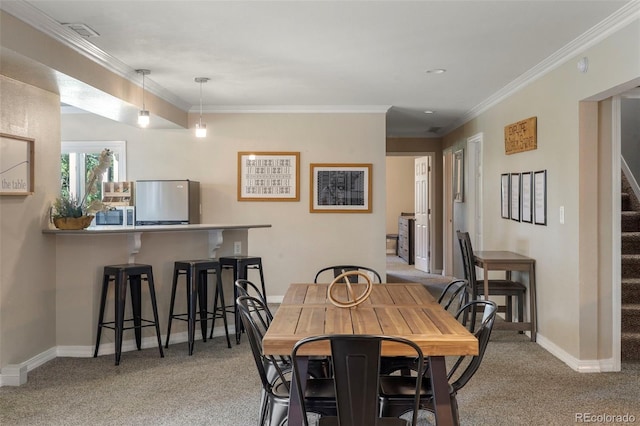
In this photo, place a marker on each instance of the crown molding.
(616, 21)
(288, 109)
(69, 38)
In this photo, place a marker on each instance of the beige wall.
(300, 242)
(554, 99)
(27, 257)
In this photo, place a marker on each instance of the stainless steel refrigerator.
(167, 202)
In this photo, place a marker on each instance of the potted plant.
(68, 212)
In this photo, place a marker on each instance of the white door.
(422, 213)
(449, 241)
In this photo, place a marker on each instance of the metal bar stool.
(241, 265)
(196, 273)
(120, 275)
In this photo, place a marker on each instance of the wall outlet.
(237, 247)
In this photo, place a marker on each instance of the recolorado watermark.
(604, 418)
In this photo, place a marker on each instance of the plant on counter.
(68, 206)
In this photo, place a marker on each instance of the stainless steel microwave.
(121, 216)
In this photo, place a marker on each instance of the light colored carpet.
(398, 271)
(518, 383)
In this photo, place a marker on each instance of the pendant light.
(143, 114)
(201, 128)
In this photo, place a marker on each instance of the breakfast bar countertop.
(152, 228)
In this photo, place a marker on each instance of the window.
(79, 156)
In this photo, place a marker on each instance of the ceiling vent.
(434, 129)
(83, 30)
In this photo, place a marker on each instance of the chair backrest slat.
(482, 334)
(339, 269)
(256, 319)
(454, 295)
(356, 366)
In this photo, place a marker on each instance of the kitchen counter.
(81, 256)
(150, 228)
(135, 233)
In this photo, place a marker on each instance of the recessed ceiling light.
(436, 71)
(429, 111)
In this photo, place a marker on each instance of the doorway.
(422, 208)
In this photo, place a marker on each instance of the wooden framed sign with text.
(521, 136)
(268, 176)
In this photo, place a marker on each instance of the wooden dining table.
(508, 261)
(404, 310)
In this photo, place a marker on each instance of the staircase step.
(626, 202)
(630, 266)
(630, 221)
(630, 243)
(630, 290)
(630, 347)
(630, 321)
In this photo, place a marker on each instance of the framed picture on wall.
(458, 176)
(268, 176)
(504, 196)
(16, 165)
(340, 188)
(515, 196)
(527, 193)
(540, 197)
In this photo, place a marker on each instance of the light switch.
(562, 215)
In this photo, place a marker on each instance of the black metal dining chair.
(453, 297)
(336, 270)
(356, 365)
(274, 374)
(396, 392)
(497, 287)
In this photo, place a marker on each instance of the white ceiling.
(336, 55)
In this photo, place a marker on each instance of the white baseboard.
(274, 299)
(581, 366)
(16, 374)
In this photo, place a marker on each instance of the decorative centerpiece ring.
(353, 300)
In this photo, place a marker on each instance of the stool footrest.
(111, 324)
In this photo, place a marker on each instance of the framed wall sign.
(515, 196)
(268, 176)
(16, 165)
(505, 196)
(540, 197)
(527, 193)
(340, 188)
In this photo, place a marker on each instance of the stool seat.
(120, 275)
(241, 265)
(196, 274)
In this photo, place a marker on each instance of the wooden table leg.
(486, 282)
(441, 397)
(532, 302)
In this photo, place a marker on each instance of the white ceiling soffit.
(249, 47)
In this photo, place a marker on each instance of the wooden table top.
(501, 256)
(401, 310)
